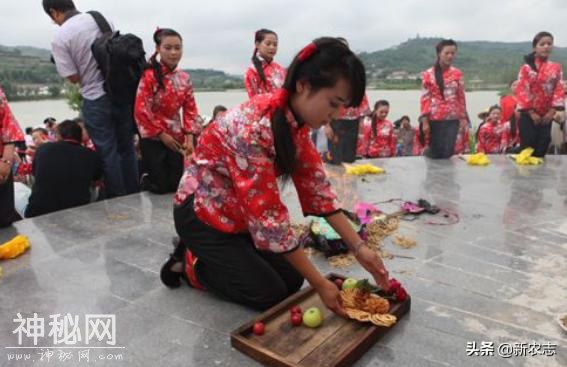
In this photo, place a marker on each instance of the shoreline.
(237, 90)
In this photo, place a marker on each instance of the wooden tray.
(337, 342)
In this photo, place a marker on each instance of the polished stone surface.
(498, 275)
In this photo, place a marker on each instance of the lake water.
(31, 114)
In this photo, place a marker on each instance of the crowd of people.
(235, 236)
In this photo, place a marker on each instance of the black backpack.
(121, 60)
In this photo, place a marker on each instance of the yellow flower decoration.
(14, 248)
(478, 159)
(363, 169)
(525, 158)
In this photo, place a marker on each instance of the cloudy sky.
(219, 34)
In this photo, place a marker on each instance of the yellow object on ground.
(525, 158)
(478, 159)
(363, 169)
(14, 248)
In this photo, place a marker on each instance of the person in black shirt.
(64, 173)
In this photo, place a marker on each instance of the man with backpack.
(109, 122)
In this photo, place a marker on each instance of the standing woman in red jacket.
(264, 75)
(164, 94)
(540, 95)
(443, 105)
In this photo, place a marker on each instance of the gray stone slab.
(499, 275)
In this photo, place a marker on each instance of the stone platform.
(498, 276)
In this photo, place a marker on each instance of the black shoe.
(170, 278)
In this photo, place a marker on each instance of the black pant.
(8, 213)
(534, 136)
(345, 149)
(443, 138)
(163, 165)
(229, 265)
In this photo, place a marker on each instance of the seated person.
(64, 173)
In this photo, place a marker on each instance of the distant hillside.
(27, 73)
(209, 79)
(486, 64)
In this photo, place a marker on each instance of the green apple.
(349, 283)
(312, 317)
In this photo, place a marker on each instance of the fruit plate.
(337, 342)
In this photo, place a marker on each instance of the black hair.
(29, 130)
(398, 122)
(331, 61)
(58, 5)
(530, 58)
(259, 36)
(377, 105)
(70, 130)
(438, 70)
(159, 35)
(217, 110)
(492, 108)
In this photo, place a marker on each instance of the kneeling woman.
(228, 211)
(376, 136)
(491, 134)
(164, 91)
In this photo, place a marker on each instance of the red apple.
(296, 309)
(339, 283)
(259, 328)
(296, 319)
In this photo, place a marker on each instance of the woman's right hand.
(170, 142)
(331, 297)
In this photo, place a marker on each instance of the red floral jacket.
(508, 106)
(10, 131)
(540, 90)
(275, 78)
(449, 106)
(158, 110)
(233, 177)
(492, 138)
(380, 145)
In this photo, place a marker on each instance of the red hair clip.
(307, 52)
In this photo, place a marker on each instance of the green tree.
(73, 96)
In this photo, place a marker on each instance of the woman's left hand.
(370, 261)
